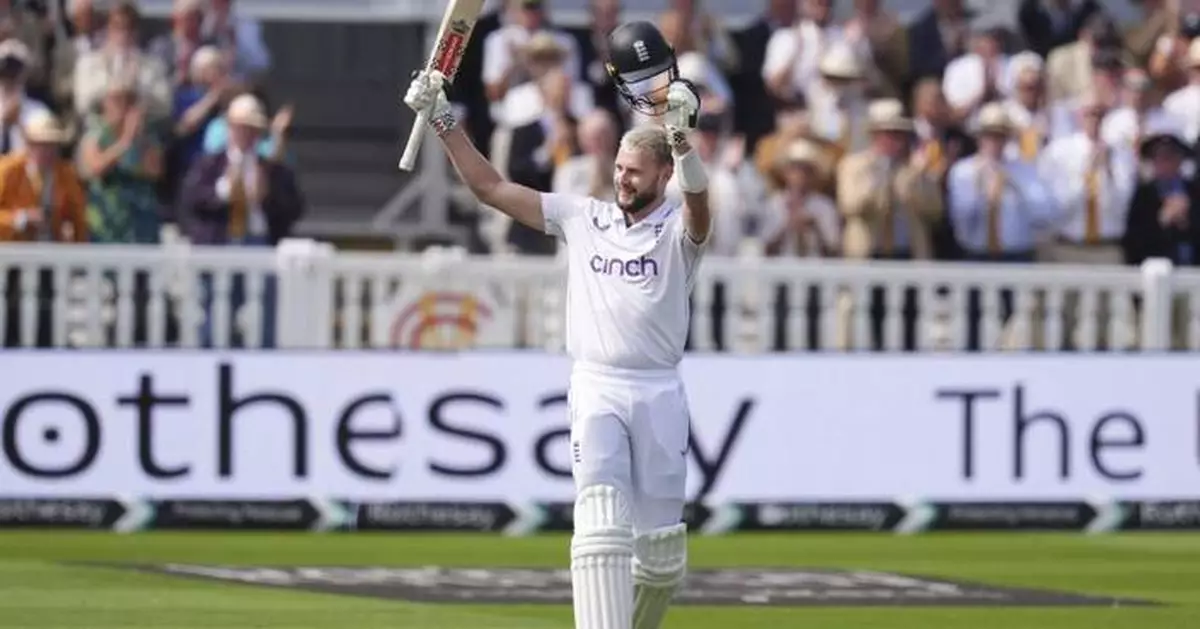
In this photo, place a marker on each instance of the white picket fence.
(314, 297)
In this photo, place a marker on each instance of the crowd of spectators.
(108, 131)
(113, 134)
(1059, 136)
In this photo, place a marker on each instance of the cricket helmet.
(642, 66)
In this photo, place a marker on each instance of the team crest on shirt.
(658, 231)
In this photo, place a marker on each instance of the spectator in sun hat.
(890, 200)
(238, 198)
(237, 195)
(271, 145)
(887, 193)
(41, 200)
(41, 196)
(503, 67)
(837, 103)
(800, 221)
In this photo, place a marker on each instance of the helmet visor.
(646, 90)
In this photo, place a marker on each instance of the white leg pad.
(602, 559)
(659, 566)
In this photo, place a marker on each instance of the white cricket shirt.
(627, 287)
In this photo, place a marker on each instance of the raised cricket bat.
(452, 38)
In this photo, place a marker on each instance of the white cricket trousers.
(629, 429)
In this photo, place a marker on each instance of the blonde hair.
(650, 138)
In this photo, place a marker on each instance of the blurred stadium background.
(350, 348)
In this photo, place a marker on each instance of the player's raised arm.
(521, 203)
(683, 106)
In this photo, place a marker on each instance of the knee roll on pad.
(660, 557)
(603, 522)
(601, 559)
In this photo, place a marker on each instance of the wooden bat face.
(454, 36)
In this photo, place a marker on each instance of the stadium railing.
(316, 297)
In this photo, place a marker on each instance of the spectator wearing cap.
(996, 205)
(1049, 24)
(1184, 104)
(121, 59)
(981, 75)
(1164, 213)
(794, 55)
(16, 106)
(240, 38)
(936, 37)
(41, 197)
(1069, 68)
(81, 35)
(1028, 108)
(837, 103)
(890, 201)
(881, 43)
(175, 49)
(122, 161)
(239, 198)
(503, 66)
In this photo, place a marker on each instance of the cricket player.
(631, 266)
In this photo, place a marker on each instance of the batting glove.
(426, 93)
(683, 109)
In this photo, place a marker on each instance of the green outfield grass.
(38, 592)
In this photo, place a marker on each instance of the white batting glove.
(426, 93)
(683, 107)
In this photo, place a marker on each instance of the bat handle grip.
(409, 160)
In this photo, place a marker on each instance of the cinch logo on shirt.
(638, 267)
